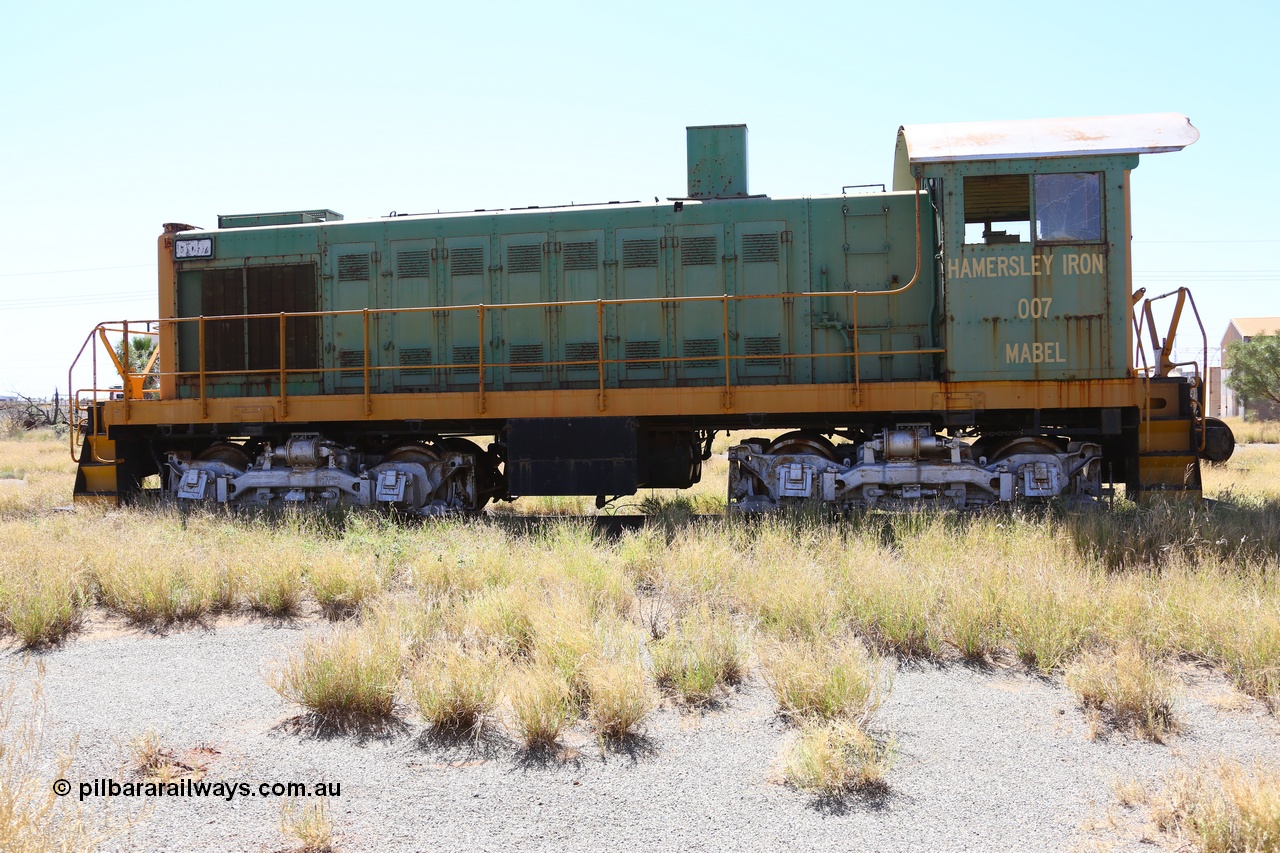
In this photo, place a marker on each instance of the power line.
(65, 272)
(72, 301)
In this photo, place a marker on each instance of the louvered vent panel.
(639, 254)
(763, 346)
(351, 358)
(414, 264)
(524, 259)
(997, 198)
(760, 248)
(581, 256)
(694, 347)
(353, 267)
(639, 350)
(466, 355)
(466, 261)
(411, 357)
(588, 351)
(697, 251)
(526, 358)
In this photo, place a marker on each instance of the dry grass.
(702, 653)
(350, 674)
(33, 819)
(828, 680)
(274, 585)
(619, 697)
(1219, 807)
(309, 824)
(1128, 687)
(541, 707)
(158, 588)
(1254, 432)
(455, 689)
(833, 758)
(36, 474)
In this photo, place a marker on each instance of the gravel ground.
(989, 759)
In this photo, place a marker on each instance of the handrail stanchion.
(600, 351)
(728, 391)
(857, 358)
(204, 398)
(368, 400)
(128, 369)
(284, 393)
(480, 353)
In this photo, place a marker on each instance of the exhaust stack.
(717, 161)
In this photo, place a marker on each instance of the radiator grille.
(524, 258)
(639, 254)
(466, 355)
(638, 350)
(760, 248)
(697, 251)
(771, 345)
(414, 264)
(466, 261)
(694, 347)
(353, 267)
(588, 351)
(411, 357)
(526, 358)
(581, 256)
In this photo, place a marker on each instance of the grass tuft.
(352, 673)
(1220, 807)
(824, 680)
(619, 697)
(833, 758)
(309, 824)
(703, 652)
(540, 705)
(1128, 688)
(34, 819)
(275, 586)
(342, 587)
(455, 690)
(42, 608)
(160, 588)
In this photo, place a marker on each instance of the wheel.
(803, 442)
(1023, 444)
(228, 454)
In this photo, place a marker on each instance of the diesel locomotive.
(968, 337)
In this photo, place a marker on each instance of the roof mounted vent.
(717, 161)
(284, 217)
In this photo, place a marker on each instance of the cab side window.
(997, 209)
(1068, 208)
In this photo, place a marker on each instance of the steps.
(96, 480)
(1168, 460)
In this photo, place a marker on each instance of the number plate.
(199, 248)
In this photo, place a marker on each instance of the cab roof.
(1148, 133)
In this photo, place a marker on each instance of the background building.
(1239, 329)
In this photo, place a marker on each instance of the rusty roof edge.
(1148, 133)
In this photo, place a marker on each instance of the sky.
(117, 118)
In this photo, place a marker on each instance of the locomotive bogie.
(908, 465)
(309, 469)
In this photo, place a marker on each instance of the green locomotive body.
(307, 358)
